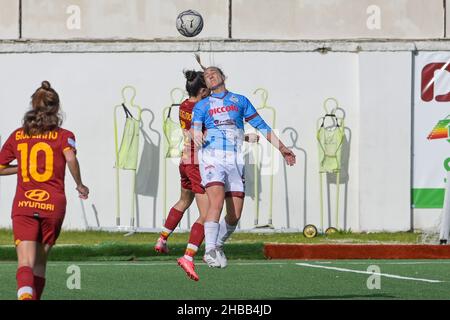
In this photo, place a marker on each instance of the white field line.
(149, 264)
(383, 263)
(81, 263)
(387, 275)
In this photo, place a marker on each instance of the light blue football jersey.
(223, 116)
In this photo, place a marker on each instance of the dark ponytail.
(44, 115)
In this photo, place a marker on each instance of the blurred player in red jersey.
(190, 180)
(42, 148)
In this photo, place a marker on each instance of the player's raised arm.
(287, 153)
(256, 121)
(74, 168)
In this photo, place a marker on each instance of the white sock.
(211, 233)
(190, 252)
(225, 231)
(24, 290)
(188, 258)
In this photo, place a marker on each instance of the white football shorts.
(226, 168)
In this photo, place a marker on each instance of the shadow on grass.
(134, 252)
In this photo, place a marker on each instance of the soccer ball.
(189, 23)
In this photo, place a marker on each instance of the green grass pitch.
(243, 279)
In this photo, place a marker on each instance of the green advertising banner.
(431, 129)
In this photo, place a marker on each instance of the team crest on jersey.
(234, 99)
(71, 143)
(209, 175)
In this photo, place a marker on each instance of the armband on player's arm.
(7, 170)
(70, 149)
(257, 122)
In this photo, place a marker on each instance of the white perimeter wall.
(373, 88)
(385, 140)
(237, 19)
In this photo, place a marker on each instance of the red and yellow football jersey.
(186, 108)
(41, 171)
